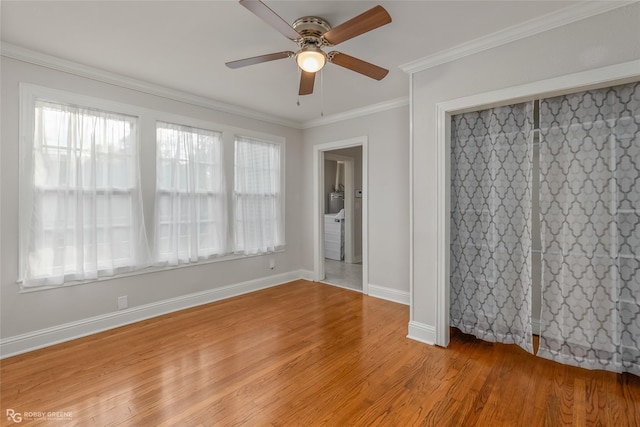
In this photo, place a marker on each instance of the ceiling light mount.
(310, 57)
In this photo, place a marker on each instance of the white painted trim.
(318, 226)
(30, 341)
(306, 275)
(19, 53)
(565, 16)
(605, 76)
(535, 326)
(357, 112)
(318, 212)
(411, 203)
(443, 130)
(389, 294)
(25, 55)
(422, 332)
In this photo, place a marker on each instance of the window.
(84, 216)
(190, 194)
(92, 171)
(257, 197)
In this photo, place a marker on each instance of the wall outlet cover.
(123, 302)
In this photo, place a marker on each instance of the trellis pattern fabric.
(491, 181)
(590, 225)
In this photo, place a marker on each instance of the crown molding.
(357, 112)
(48, 61)
(568, 15)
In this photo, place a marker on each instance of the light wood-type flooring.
(302, 354)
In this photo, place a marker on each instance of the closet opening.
(544, 205)
(596, 78)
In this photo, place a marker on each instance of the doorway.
(340, 214)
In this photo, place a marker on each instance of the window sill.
(147, 270)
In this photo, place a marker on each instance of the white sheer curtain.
(258, 221)
(82, 196)
(191, 201)
(491, 184)
(590, 224)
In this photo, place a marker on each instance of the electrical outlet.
(272, 263)
(123, 302)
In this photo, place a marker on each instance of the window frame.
(29, 96)
(223, 194)
(280, 143)
(146, 149)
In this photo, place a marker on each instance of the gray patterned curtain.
(491, 162)
(590, 225)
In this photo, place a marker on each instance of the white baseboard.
(427, 333)
(389, 294)
(535, 326)
(56, 334)
(422, 332)
(306, 275)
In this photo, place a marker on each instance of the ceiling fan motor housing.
(311, 28)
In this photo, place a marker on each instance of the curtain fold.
(85, 200)
(590, 225)
(191, 206)
(258, 218)
(490, 248)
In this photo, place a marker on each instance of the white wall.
(388, 210)
(23, 313)
(602, 40)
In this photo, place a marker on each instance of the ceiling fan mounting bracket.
(311, 30)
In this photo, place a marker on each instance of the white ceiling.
(183, 45)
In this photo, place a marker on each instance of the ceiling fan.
(312, 34)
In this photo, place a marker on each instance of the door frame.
(606, 76)
(319, 205)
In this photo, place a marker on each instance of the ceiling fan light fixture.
(311, 59)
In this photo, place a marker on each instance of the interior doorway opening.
(340, 214)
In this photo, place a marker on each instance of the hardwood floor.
(302, 354)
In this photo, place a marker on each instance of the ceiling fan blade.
(306, 83)
(263, 12)
(357, 65)
(367, 21)
(259, 59)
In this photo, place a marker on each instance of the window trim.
(232, 220)
(146, 146)
(29, 95)
(156, 256)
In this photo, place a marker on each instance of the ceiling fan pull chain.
(299, 76)
(321, 93)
